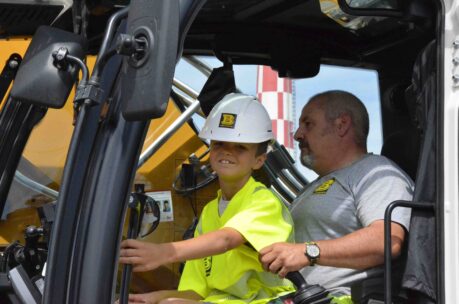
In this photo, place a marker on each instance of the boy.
(223, 264)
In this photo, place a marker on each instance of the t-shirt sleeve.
(263, 221)
(377, 189)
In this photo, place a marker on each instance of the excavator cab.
(97, 132)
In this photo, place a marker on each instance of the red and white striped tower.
(276, 95)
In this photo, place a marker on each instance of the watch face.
(313, 251)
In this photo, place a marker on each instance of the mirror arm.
(88, 91)
(104, 55)
(82, 66)
(62, 58)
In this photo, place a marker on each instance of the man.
(339, 228)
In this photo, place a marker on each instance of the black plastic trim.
(69, 201)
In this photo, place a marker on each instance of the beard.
(307, 160)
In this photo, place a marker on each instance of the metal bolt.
(456, 60)
(456, 43)
(61, 53)
(13, 64)
(456, 77)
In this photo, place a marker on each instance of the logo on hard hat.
(227, 120)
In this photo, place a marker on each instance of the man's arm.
(148, 256)
(359, 250)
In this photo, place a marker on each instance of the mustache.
(303, 145)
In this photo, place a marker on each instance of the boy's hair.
(262, 147)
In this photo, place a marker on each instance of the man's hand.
(282, 258)
(143, 256)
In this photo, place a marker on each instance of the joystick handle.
(305, 293)
(297, 279)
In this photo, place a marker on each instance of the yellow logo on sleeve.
(322, 189)
(227, 120)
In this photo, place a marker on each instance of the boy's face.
(234, 161)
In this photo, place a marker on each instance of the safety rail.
(388, 241)
(285, 178)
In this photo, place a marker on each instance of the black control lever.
(31, 256)
(305, 293)
(136, 207)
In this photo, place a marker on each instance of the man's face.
(316, 137)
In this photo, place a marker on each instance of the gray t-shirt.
(344, 201)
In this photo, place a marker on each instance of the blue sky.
(363, 83)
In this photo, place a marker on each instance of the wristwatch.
(312, 252)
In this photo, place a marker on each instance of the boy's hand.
(149, 298)
(143, 256)
(282, 258)
(155, 297)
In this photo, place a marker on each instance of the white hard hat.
(238, 118)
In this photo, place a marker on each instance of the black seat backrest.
(418, 261)
(403, 145)
(420, 274)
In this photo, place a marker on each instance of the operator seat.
(402, 146)
(418, 260)
(420, 275)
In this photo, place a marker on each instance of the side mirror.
(144, 215)
(153, 31)
(143, 219)
(39, 81)
(150, 217)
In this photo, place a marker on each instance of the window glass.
(44, 156)
(361, 82)
(41, 166)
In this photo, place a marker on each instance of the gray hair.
(336, 103)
